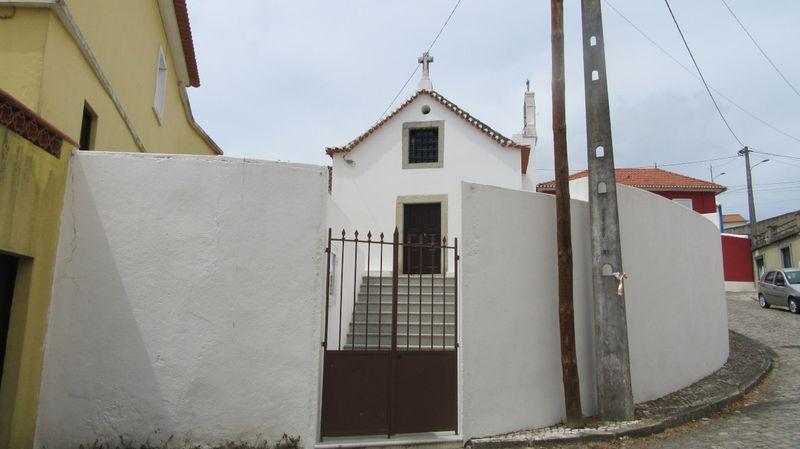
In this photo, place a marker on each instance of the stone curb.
(649, 426)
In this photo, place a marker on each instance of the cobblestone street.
(769, 416)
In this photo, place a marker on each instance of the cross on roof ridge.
(425, 82)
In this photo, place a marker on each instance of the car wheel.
(794, 307)
(762, 301)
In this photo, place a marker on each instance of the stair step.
(413, 341)
(403, 308)
(405, 291)
(387, 345)
(424, 300)
(412, 319)
(437, 281)
(403, 328)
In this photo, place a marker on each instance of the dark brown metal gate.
(395, 370)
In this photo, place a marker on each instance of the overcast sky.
(283, 80)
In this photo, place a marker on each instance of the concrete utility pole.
(566, 310)
(750, 200)
(614, 393)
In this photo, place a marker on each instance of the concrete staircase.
(425, 313)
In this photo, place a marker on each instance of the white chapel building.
(406, 170)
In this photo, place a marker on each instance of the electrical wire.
(690, 72)
(699, 72)
(763, 53)
(674, 164)
(776, 155)
(786, 163)
(416, 68)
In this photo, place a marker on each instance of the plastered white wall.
(675, 297)
(187, 300)
(677, 320)
(510, 340)
(346, 275)
(366, 189)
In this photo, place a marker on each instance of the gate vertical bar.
(380, 296)
(614, 393)
(408, 307)
(393, 351)
(419, 267)
(327, 288)
(355, 290)
(443, 256)
(341, 294)
(455, 293)
(433, 281)
(366, 318)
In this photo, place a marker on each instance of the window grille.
(423, 145)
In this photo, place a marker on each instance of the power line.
(699, 72)
(690, 72)
(777, 155)
(444, 25)
(416, 67)
(786, 163)
(742, 186)
(697, 162)
(763, 53)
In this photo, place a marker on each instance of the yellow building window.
(161, 86)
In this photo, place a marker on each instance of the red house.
(697, 195)
(693, 193)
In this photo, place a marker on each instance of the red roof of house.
(496, 136)
(733, 218)
(654, 179)
(185, 29)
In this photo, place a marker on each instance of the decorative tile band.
(23, 121)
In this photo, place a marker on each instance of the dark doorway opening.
(8, 275)
(422, 223)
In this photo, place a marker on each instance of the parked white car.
(780, 288)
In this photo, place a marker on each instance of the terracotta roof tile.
(733, 218)
(185, 29)
(486, 129)
(649, 179)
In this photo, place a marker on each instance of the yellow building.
(96, 74)
(778, 243)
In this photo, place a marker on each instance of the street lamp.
(754, 166)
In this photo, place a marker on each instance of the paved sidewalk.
(768, 417)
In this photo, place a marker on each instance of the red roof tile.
(185, 29)
(654, 179)
(733, 218)
(496, 136)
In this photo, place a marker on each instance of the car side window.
(770, 277)
(779, 279)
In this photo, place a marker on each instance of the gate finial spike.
(381, 236)
(369, 235)
(343, 233)
(444, 240)
(356, 234)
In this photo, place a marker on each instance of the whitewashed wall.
(677, 321)
(346, 275)
(187, 300)
(366, 190)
